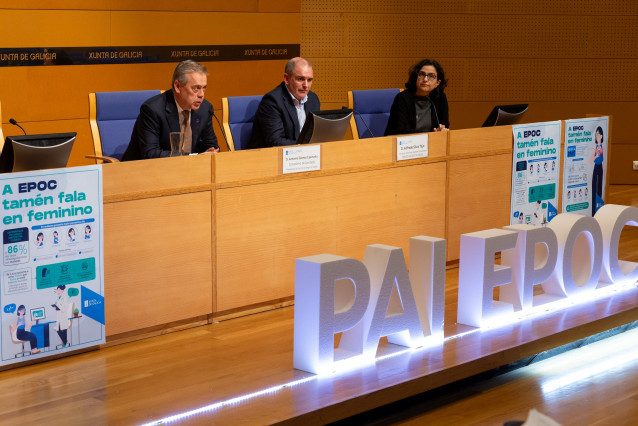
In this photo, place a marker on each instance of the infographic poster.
(535, 173)
(51, 276)
(585, 165)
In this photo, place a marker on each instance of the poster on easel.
(535, 173)
(51, 275)
(585, 165)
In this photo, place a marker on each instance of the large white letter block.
(316, 321)
(427, 275)
(388, 315)
(612, 219)
(478, 276)
(532, 262)
(579, 258)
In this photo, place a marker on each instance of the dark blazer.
(158, 117)
(402, 119)
(276, 122)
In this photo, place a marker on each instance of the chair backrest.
(112, 117)
(14, 334)
(374, 107)
(238, 114)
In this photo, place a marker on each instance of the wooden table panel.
(157, 177)
(262, 229)
(479, 197)
(480, 141)
(157, 261)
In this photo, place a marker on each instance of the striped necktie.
(188, 134)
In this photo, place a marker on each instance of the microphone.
(438, 122)
(15, 123)
(212, 112)
(364, 122)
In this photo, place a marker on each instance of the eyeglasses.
(197, 89)
(430, 77)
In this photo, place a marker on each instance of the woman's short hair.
(414, 72)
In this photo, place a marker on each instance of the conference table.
(203, 238)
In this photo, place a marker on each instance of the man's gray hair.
(184, 68)
(291, 64)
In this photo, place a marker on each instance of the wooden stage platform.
(240, 371)
(296, 397)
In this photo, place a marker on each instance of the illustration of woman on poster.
(597, 177)
(22, 328)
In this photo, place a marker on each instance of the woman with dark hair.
(422, 107)
(597, 177)
(22, 327)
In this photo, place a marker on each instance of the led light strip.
(587, 371)
(344, 366)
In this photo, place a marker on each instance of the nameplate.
(411, 147)
(301, 159)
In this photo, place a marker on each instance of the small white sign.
(301, 159)
(411, 147)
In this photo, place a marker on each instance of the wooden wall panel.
(262, 228)
(153, 274)
(171, 6)
(31, 94)
(56, 4)
(45, 94)
(164, 5)
(149, 28)
(54, 28)
(277, 6)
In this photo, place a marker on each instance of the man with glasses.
(282, 111)
(181, 109)
(422, 107)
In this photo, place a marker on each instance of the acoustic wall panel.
(560, 57)
(494, 7)
(324, 35)
(468, 35)
(616, 37)
(335, 76)
(572, 80)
